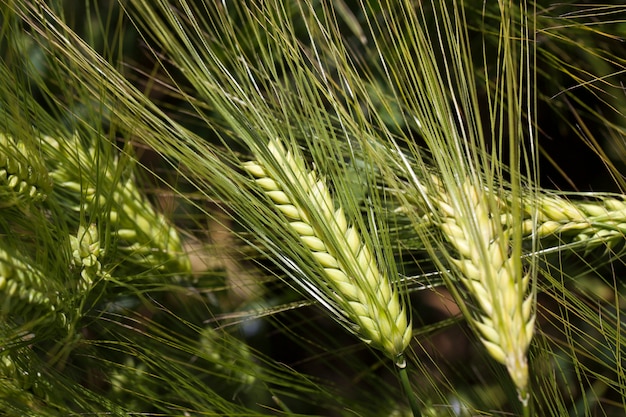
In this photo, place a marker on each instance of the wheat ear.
(352, 280)
(23, 177)
(505, 315)
(26, 289)
(91, 182)
(591, 223)
(86, 255)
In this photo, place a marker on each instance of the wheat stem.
(408, 391)
(351, 278)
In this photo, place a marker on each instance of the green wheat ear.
(504, 317)
(23, 177)
(352, 280)
(589, 223)
(91, 183)
(26, 290)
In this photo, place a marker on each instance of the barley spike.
(92, 182)
(352, 280)
(591, 223)
(504, 317)
(24, 288)
(23, 177)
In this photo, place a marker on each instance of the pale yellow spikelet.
(504, 317)
(353, 280)
(86, 255)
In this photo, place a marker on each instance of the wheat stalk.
(351, 280)
(504, 318)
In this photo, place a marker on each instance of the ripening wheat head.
(23, 178)
(27, 290)
(589, 223)
(352, 280)
(93, 182)
(504, 317)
